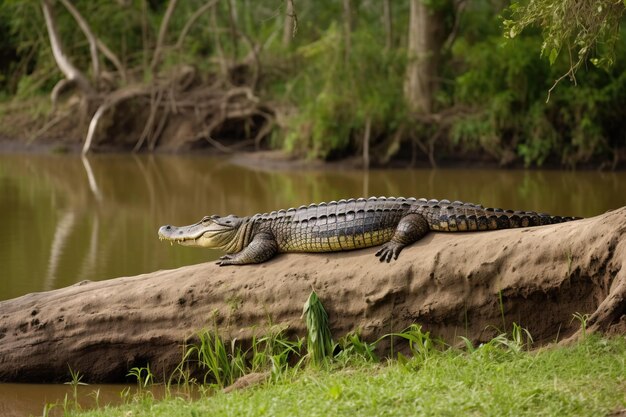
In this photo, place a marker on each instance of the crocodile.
(343, 225)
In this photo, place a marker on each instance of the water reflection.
(19, 400)
(68, 218)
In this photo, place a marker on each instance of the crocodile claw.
(388, 251)
(225, 260)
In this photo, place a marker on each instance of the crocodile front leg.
(262, 248)
(411, 228)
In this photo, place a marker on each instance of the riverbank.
(30, 128)
(493, 379)
(279, 160)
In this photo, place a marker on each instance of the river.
(66, 219)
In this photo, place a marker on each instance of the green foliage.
(582, 319)
(221, 364)
(506, 84)
(491, 96)
(421, 345)
(319, 341)
(274, 351)
(143, 375)
(354, 348)
(337, 90)
(70, 404)
(581, 28)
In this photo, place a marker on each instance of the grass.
(497, 378)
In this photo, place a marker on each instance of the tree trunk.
(426, 37)
(387, 24)
(290, 14)
(347, 29)
(467, 284)
(366, 142)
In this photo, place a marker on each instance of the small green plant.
(95, 394)
(223, 365)
(501, 304)
(469, 345)
(47, 408)
(519, 340)
(421, 344)
(274, 351)
(521, 337)
(583, 319)
(126, 395)
(353, 347)
(143, 375)
(319, 341)
(75, 381)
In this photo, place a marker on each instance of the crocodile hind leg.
(262, 248)
(411, 228)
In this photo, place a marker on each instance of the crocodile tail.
(492, 219)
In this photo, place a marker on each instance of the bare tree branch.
(112, 100)
(234, 30)
(91, 38)
(195, 16)
(144, 34)
(95, 43)
(64, 63)
(291, 23)
(459, 5)
(156, 58)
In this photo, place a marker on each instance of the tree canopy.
(326, 78)
(580, 29)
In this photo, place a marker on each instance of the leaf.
(553, 54)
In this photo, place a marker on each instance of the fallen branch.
(472, 284)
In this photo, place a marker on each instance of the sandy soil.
(450, 283)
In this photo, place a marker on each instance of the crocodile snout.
(167, 231)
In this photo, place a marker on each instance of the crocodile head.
(211, 232)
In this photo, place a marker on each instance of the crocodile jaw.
(180, 235)
(212, 236)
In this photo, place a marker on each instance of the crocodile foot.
(389, 250)
(226, 260)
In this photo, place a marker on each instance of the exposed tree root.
(216, 109)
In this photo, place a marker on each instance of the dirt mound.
(462, 284)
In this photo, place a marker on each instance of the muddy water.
(66, 219)
(21, 400)
(17, 400)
